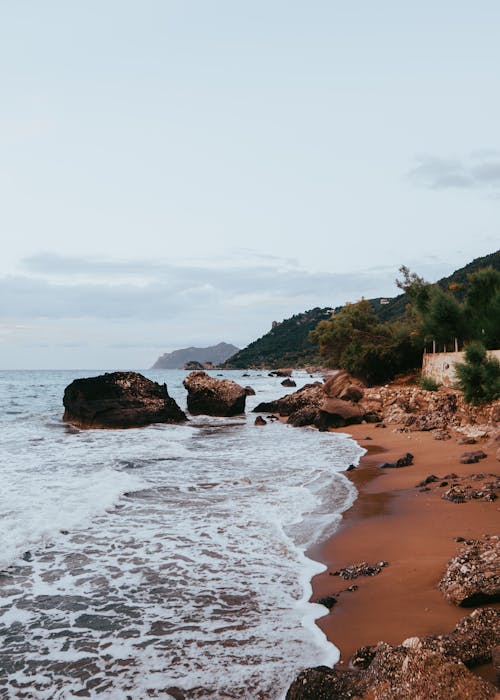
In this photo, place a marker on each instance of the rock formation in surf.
(119, 400)
(214, 397)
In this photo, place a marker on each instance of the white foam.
(200, 571)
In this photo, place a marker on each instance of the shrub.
(479, 376)
(428, 384)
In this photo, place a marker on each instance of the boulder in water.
(119, 400)
(214, 397)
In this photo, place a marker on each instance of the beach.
(413, 530)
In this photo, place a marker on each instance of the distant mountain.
(285, 345)
(216, 354)
(391, 309)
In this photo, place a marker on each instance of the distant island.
(215, 355)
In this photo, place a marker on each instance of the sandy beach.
(414, 531)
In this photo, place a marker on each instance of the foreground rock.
(214, 397)
(473, 576)
(427, 668)
(310, 405)
(119, 400)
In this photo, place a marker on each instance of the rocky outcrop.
(342, 386)
(214, 397)
(473, 576)
(433, 667)
(472, 641)
(311, 406)
(439, 410)
(309, 396)
(119, 400)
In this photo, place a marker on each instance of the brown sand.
(414, 531)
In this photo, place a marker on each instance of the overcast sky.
(182, 172)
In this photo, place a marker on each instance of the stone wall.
(440, 366)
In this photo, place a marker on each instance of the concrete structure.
(440, 366)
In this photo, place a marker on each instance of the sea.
(163, 562)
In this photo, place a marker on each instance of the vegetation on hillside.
(456, 284)
(357, 340)
(479, 375)
(287, 344)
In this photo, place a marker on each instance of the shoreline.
(393, 521)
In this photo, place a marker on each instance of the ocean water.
(161, 562)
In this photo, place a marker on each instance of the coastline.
(392, 520)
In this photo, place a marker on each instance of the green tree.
(482, 307)
(357, 341)
(479, 375)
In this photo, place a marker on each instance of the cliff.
(216, 354)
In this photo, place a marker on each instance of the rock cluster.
(357, 570)
(429, 410)
(119, 400)
(214, 397)
(473, 576)
(323, 405)
(428, 667)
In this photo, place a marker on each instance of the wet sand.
(413, 531)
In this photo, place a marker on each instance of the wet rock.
(119, 400)
(404, 461)
(323, 683)
(281, 373)
(288, 382)
(304, 416)
(362, 569)
(328, 601)
(472, 457)
(249, 391)
(260, 421)
(473, 576)
(467, 441)
(351, 467)
(214, 397)
(432, 478)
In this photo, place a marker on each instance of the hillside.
(397, 305)
(286, 344)
(217, 354)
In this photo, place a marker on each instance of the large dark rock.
(119, 400)
(214, 397)
(336, 413)
(473, 576)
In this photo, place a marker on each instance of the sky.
(184, 172)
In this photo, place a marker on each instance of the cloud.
(478, 170)
(56, 286)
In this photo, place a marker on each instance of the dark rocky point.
(119, 400)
